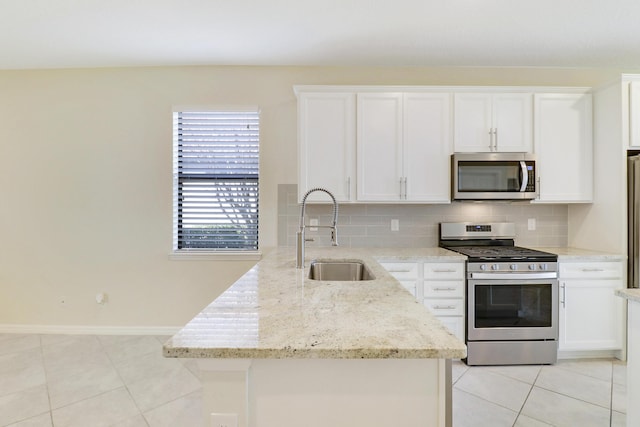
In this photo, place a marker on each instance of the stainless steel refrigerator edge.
(633, 221)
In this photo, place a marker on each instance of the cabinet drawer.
(445, 306)
(590, 270)
(443, 270)
(444, 288)
(401, 270)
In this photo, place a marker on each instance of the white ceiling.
(99, 33)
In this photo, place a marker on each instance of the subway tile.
(551, 229)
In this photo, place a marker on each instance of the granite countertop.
(274, 311)
(632, 294)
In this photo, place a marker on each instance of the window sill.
(214, 256)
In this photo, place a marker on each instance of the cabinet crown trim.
(298, 89)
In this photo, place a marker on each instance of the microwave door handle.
(525, 176)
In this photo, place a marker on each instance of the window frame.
(207, 253)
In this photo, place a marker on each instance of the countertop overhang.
(275, 311)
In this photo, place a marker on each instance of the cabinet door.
(564, 147)
(326, 145)
(591, 315)
(472, 123)
(455, 325)
(379, 145)
(634, 114)
(493, 122)
(406, 273)
(427, 147)
(512, 117)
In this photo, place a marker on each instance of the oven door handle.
(514, 276)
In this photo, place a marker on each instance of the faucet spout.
(300, 235)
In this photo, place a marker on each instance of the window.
(216, 159)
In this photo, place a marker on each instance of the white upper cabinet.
(564, 147)
(427, 147)
(403, 145)
(379, 147)
(327, 145)
(499, 122)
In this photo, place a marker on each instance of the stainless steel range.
(511, 295)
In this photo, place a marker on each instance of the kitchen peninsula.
(279, 349)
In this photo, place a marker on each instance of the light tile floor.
(584, 393)
(123, 381)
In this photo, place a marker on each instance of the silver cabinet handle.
(444, 289)
(349, 188)
(399, 271)
(538, 189)
(493, 139)
(444, 307)
(405, 188)
(449, 270)
(592, 270)
(564, 294)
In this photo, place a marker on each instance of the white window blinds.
(216, 160)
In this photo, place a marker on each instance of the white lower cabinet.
(591, 316)
(443, 289)
(406, 273)
(439, 285)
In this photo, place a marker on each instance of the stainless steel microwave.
(493, 176)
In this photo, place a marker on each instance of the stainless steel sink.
(339, 271)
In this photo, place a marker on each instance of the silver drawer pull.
(592, 270)
(445, 271)
(444, 307)
(444, 289)
(399, 271)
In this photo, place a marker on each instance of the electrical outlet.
(101, 298)
(531, 224)
(395, 225)
(224, 420)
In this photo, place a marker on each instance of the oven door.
(505, 309)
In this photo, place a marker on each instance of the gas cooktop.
(502, 253)
(488, 242)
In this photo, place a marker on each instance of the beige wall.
(86, 180)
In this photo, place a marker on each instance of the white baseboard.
(88, 330)
(596, 354)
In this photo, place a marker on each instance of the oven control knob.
(483, 267)
(513, 267)
(495, 267)
(543, 266)
(532, 266)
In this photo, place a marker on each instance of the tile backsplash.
(367, 225)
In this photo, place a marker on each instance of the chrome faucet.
(300, 239)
